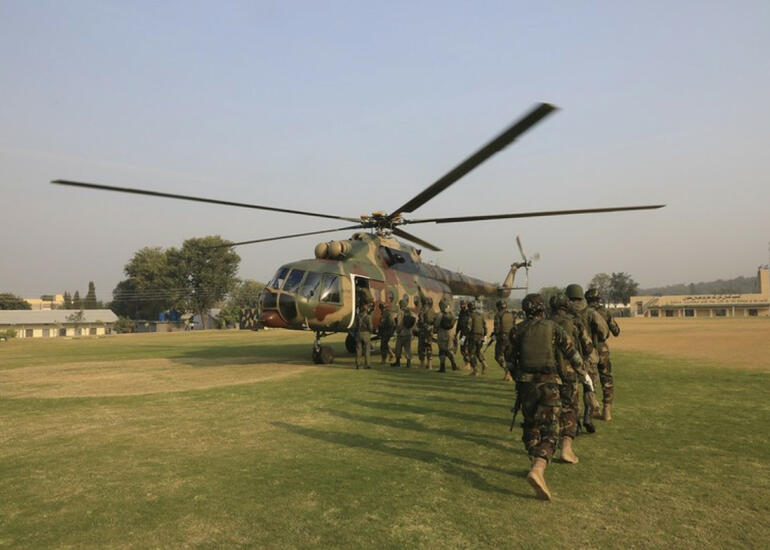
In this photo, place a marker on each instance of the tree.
(622, 287)
(76, 303)
(206, 270)
(11, 301)
(67, 301)
(90, 301)
(244, 296)
(602, 283)
(76, 319)
(150, 288)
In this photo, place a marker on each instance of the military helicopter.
(321, 293)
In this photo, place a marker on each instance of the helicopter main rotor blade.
(497, 144)
(196, 199)
(535, 214)
(288, 236)
(409, 237)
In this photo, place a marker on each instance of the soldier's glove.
(588, 383)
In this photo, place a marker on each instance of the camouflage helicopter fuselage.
(320, 294)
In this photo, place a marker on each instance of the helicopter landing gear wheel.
(323, 355)
(350, 342)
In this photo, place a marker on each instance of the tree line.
(200, 275)
(614, 288)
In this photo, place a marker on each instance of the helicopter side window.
(330, 288)
(293, 280)
(279, 277)
(311, 284)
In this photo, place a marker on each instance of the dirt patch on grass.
(741, 343)
(137, 377)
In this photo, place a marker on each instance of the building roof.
(54, 316)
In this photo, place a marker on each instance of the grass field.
(234, 439)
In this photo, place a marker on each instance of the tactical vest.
(428, 318)
(408, 320)
(386, 323)
(447, 321)
(477, 324)
(462, 322)
(507, 320)
(536, 347)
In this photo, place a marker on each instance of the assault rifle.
(515, 409)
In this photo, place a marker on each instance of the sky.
(350, 107)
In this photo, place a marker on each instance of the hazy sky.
(350, 107)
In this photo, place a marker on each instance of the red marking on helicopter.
(321, 311)
(273, 320)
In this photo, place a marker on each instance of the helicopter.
(322, 294)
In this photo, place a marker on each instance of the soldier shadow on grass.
(492, 442)
(499, 406)
(460, 391)
(401, 407)
(453, 466)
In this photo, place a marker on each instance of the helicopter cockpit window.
(311, 284)
(293, 280)
(279, 277)
(330, 288)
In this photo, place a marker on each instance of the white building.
(57, 322)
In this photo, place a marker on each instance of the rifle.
(515, 409)
(491, 339)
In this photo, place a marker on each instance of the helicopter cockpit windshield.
(292, 290)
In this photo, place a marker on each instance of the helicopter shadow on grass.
(245, 354)
(453, 466)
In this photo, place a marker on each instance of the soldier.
(504, 321)
(478, 330)
(364, 334)
(533, 356)
(425, 323)
(443, 324)
(404, 332)
(596, 327)
(569, 391)
(386, 329)
(463, 333)
(605, 365)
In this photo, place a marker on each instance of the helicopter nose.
(272, 319)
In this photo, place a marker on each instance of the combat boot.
(607, 412)
(396, 363)
(508, 377)
(429, 363)
(483, 368)
(474, 372)
(597, 409)
(536, 478)
(409, 363)
(588, 422)
(441, 366)
(567, 454)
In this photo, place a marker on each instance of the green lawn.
(331, 457)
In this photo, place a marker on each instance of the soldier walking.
(425, 323)
(364, 334)
(443, 325)
(385, 330)
(463, 334)
(534, 346)
(404, 332)
(478, 330)
(569, 391)
(504, 321)
(604, 365)
(596, 328)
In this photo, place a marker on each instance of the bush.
(124, 325)
(8, 333)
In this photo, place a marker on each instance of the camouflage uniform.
(477, 327)
(569, 390)
(386, 329)
(504, 321)
(596, 327)
(363, 335)
(404, 332)
(443, 325)
(604, 364)
(535, 343)
(425, 323)
(463, 333)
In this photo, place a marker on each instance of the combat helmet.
(592, 295)
(559, 301)
(471, 306)
(442, 305)
(574, 292)
(533, 305)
